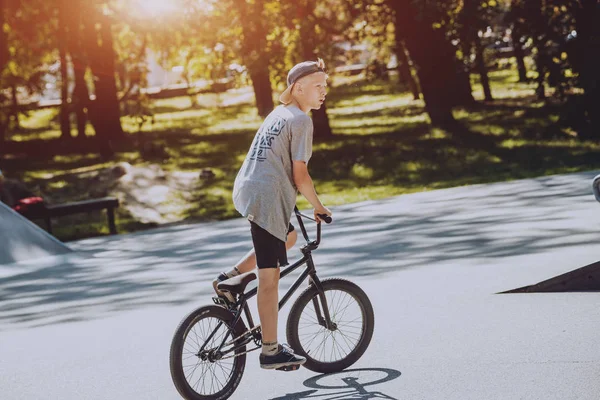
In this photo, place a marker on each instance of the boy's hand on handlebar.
(323, 211)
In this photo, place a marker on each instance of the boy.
(265, 190)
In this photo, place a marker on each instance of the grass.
(382, 146)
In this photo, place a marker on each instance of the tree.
(80, 98)
(434, 58)
(517, 36)
(473, 20)
(404, 67)
(63, 31)
(104, 111)
(252, 19)
(587, 62)
(373, 22)
(4, 57)
(28, 49)
(309, 24)
(566, 37)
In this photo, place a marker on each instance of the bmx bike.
(331, 324)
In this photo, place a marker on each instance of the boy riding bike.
(265, 191)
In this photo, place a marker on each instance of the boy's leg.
(273, 355)
(248, 262)
(268, 299)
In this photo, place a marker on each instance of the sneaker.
(284, 358)
(222, 277)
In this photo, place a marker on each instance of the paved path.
(99, 327)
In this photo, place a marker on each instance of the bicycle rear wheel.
(197, 371)
(331, 350)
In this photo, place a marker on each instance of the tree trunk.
(481, 68)
(15, 108)
(519, 53)
(64, 117)
(4, 53)
(104, 111)
(80, 98)
(468, 37)
(188, 83)
(462, 87)
(255, 57)
(404, 70)
(321, 123)
(2, 134)
(322, 128)
(261, 83)
(3, 127)
(540, 65)
(588, 32)
(435, 61)
(4, 56)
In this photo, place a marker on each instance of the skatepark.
(445, 271)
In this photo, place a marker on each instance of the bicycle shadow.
(347, 385)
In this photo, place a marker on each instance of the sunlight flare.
(155, 8)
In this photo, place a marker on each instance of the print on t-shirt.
(265, 137)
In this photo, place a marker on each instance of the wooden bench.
(60, 210)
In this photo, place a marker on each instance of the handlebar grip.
(596, 187)
(328, 219)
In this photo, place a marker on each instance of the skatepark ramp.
(22, 240)
(579, 280)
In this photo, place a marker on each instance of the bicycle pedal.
(289, 368)
(220, 301)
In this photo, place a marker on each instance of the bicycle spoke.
(322, 344)
(316, 335)
(350, 329)
(350, 321)
(345, 340)
(343, 311)
(206, 377)
(308, 316)
(200, 377)
(335, 305)
(337, 347)
(199, 363)
(353, 340)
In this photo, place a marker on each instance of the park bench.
(60, 210)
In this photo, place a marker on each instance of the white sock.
(270, 348)
(233, 272)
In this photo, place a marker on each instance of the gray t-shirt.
(264, 189)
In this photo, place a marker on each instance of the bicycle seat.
(237, 284)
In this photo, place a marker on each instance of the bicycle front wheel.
(198, 371)
(338, 347)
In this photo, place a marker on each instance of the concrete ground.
(98, 324)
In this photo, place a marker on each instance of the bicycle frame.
(241, 305)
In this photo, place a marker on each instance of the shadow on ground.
(175, 265)
(345, 385)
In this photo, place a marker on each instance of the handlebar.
(596, 187)
(324, 217)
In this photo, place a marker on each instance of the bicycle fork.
(324, 318)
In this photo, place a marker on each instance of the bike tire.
(366, 329)
(178, 343)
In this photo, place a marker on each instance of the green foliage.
(30, 49)
(383, 146)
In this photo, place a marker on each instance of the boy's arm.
(305, 186)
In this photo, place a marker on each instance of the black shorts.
(270, 251)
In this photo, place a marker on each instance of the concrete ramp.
(582, 279)
(22, 240)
